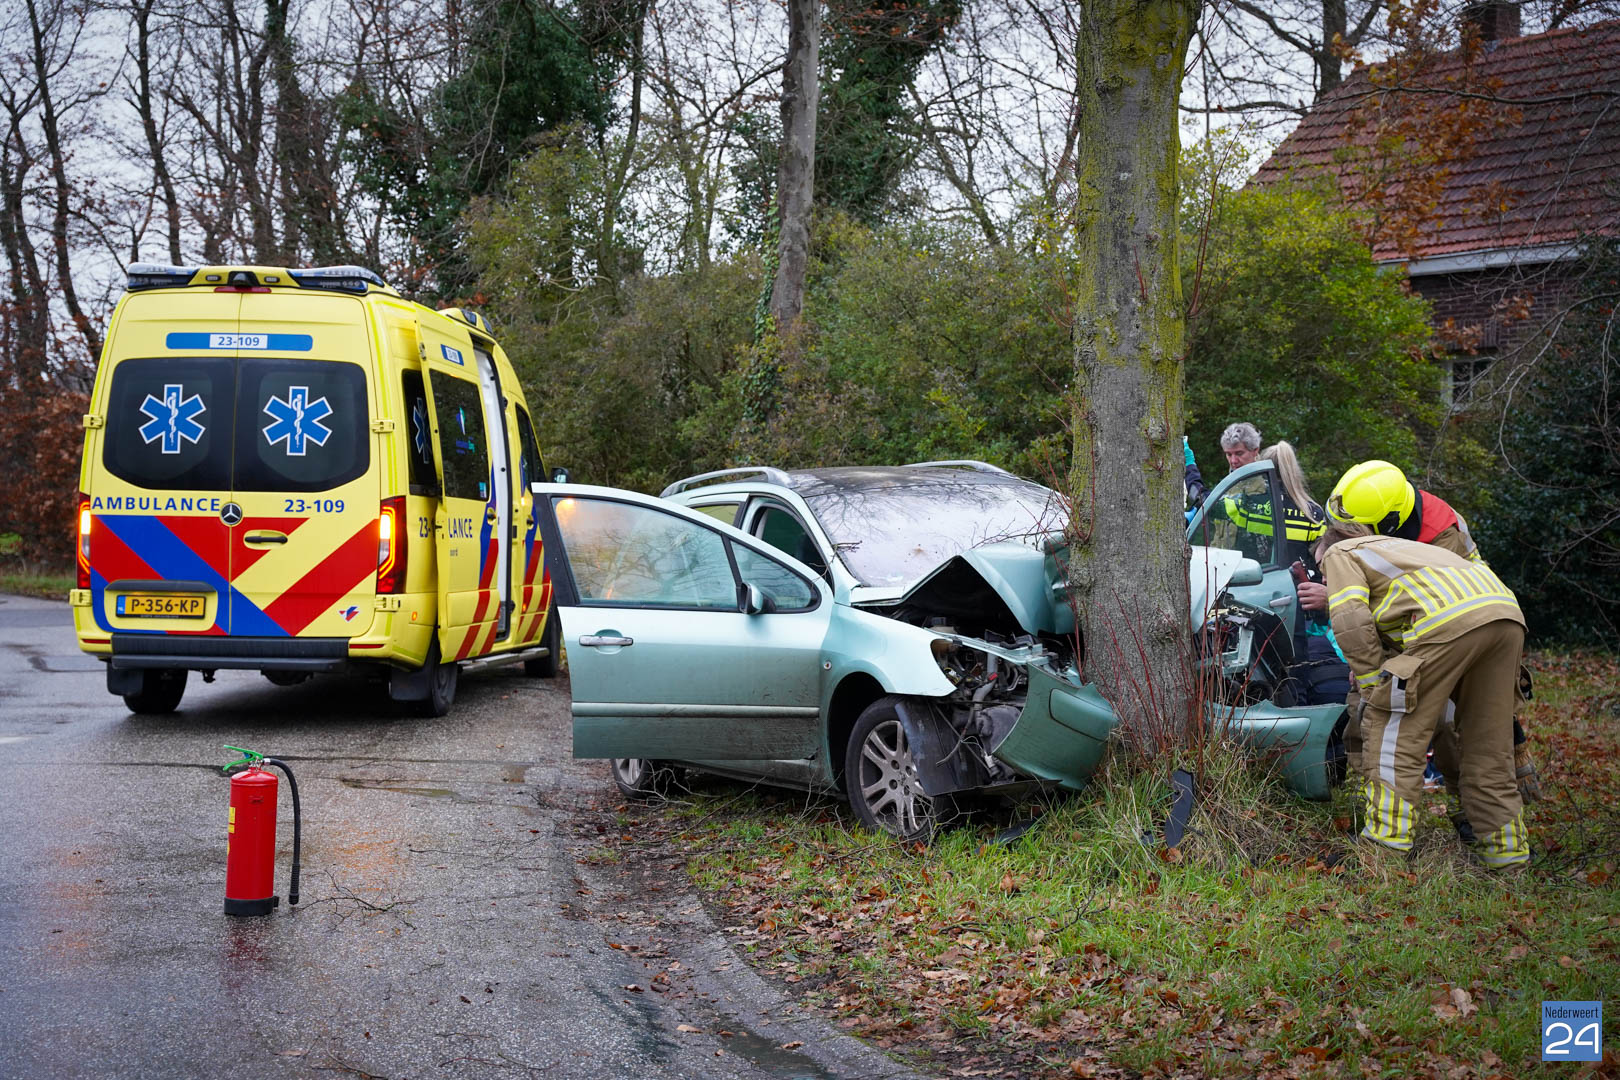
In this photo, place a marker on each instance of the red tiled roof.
(1554, 153)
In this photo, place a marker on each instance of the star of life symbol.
(297, 420)
(173, 419)
(419, 427)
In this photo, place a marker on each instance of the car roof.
(845, 479)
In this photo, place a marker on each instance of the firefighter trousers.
(1479, 670)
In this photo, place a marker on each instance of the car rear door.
(664, 658)
(306, 474)
(1240, 515)
(467, 537)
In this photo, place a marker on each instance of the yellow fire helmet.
(1375, 494)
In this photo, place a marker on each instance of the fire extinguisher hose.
(298, 819)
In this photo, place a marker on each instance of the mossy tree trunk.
(1128, 556)
(796, 175)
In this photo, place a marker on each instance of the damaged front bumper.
(1062, 731)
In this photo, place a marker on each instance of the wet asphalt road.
(452, 924)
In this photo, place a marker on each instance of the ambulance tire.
(160, 692)
(442, 680)
(546, 666)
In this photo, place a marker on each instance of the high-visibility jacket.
(1253, 514)
(1385, 593)
(1433, 521)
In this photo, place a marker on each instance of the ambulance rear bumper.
(215, 653)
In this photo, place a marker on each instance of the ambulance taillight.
(391, 546)
(85, 520)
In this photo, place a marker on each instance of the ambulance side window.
(419, 437)
(462, 448)
(169, 422)
(532, 471)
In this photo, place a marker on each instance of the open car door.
(1239, 515)
(687, 639)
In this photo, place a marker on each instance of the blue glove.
(1186, 452)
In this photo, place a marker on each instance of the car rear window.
(220, 423)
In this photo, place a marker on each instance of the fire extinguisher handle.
(292, 785)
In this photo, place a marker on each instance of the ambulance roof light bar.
(159, 276)
(346, 278)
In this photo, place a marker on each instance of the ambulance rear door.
(307, 467)
(159, 478)
(469, 535)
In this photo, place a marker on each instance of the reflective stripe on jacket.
(1385, 589)
(1253, 514)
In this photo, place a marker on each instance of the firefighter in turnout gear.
(1377, 495)
(1420, 626)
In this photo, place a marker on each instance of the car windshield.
(891, 530)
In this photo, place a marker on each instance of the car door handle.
(591, 640)
(489, 514)
(1280, 602)
(264, 536)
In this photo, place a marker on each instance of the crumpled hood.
(1022, 588)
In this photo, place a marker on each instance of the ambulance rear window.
(302, 425)
(169, 422)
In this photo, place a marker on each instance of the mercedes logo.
(231, 515)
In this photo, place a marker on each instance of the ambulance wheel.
(160, 692)
(545, 667)
(442, 680)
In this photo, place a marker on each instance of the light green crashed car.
(901, 634)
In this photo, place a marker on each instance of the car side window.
(624, 555)
(726, 512)
(790, 591)
(784, 532)
(1242, 520)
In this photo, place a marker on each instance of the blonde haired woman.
(1322, 674)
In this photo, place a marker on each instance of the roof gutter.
(1488, 259)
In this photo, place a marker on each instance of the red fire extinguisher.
(250, 835)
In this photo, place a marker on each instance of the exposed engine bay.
(991, 659)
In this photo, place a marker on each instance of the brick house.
(1510, 207)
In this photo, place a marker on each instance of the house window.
(1466, 372)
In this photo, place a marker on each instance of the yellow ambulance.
(297, 471)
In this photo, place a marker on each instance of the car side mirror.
(559, 475)
(757, 602)
(1248, 572)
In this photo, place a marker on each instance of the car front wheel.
(880, 774)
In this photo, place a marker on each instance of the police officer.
(1378, 495)
(1421, 625)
